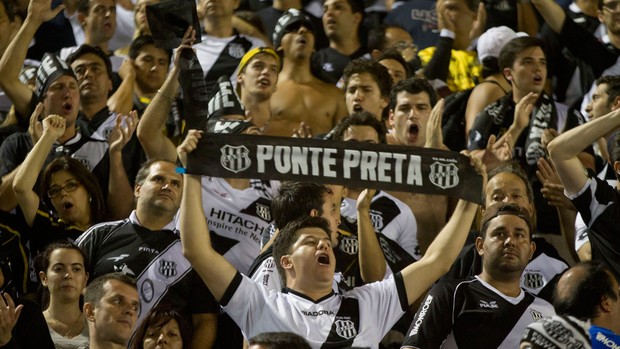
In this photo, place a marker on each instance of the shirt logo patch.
(167, 268)
(533, 280)
(536, 315)
(236, 50)
(124, 269)
(489, 305)
(263, 212)
(346, 329)
(348, 245)
(377, 220)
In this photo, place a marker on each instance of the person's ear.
(136, 191)
(479, 243)
(286, 262)
(89, 311)
(391, 118)
(508, 74)
(533, 249)
(43, 278)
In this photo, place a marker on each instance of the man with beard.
(146, 246)
(455, 311)
(301, 97)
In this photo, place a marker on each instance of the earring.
(90, 199)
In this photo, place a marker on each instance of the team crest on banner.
(533, 280)
(444, 175)
(236, 50)
(348, 244)
(167, 268)
(345, 329)
(235, 158)
(263, 211)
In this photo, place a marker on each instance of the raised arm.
(119, 189)
(28, 172)
(214, 270)
(552, 13)
(564, 149)
(371, 258)
(150, 129)
(11, 63)
(420, 276)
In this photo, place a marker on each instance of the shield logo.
(167, 268)
(346, 329)
(348, 244)
(235, 158)
(263, 212)
(443, 175)
(377, 219)
(533, 280)
(235, 50)
(536, 315)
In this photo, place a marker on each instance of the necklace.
(77, 321)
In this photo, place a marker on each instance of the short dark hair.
(360, 118)
(378, 73)
(613, 87)
(145, 170)
(94, 290)
(504, 208)
(84, 176)
(97, 51)
(288, 235)
(392, 53)
(490, 66)
(296, 199)
(512, 48)
(280, 340)
(158, 317)
(413, 86)
(144, 40)
(376, 38)
(583, 299)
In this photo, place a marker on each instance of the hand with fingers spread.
(479, 165)
(121, 135)
(54, 125)
(443, 20)
(40, 11)
(35, 128)
(9, 314)
(552, 190)
(190, 143)
(303, 131)
(364, 200)
(480, 22)
(434, 136)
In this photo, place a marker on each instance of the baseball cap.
(490, 43)
(247, 57)
(51, 68)
(288, 18)
(222, 105)
(503, 208)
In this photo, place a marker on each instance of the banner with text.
(353, 164)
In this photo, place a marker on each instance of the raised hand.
(121, 135)
(54, 125)
(9, 314)
(190, 143)
(552, 190)
(35, 128)
(188, 40)
(434, 136)
(40, 11)
(364, 199)
(523, 110)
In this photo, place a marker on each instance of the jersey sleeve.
(266, 274)
(408, 237)
(244, 302)
(433, 320)
(594, 202)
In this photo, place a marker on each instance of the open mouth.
(301, 40)
(357, 108)
(264, 82)
(323, 259)
(67, 205)
(67, 107)
(413, 130)
(538, 79)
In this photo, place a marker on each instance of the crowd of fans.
(107, 242)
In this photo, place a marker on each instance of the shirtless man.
(300, 96)
(412, 113)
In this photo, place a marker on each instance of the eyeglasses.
(403, 45)
(55, 190)
(612, 6)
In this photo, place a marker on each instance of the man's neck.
(70, 132)
(255, 108)
(296, 69)
(508, 284)
(143, 93)
(153, 220)
(102, 45)
(313, 291)
(219, 27)
(67, 313)
(91, 108)
(238, 183)
(347, 46)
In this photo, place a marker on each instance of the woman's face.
(65, 277)
(69, 198)
(167, 336)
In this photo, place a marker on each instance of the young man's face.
(260, 77)
(363, 93)
(63, 98)
(298, 41)
(610, 16)
(409, 118)
(339, 19)
(528, 72)
(93, 78)
(462, 17)
(142, 24)
(101, 21)
(397, 71)
(600, 104)
(151, 67)
(117, 312)
(507, 246)
(219, 8)
(361, 133)
(312, 257)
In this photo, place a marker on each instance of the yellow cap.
(253, 52)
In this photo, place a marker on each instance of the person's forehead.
(163, 168)
(507, 219)
(316, 232)
(117, 288)
(360, 133)
(602, 89)
(152, 50)
(531, 52)
(337, 2)
(395, 34)
(392, 64)
(88, 58)
(505, 181)
(107, 3)
(64, 79)
(363, 79)
(265, 58)
(405, 97)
